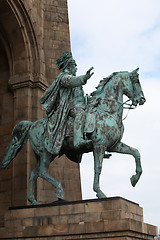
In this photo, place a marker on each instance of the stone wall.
(33, 33)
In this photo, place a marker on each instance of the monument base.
(110, 218)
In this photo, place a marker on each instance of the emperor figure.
(65, 97)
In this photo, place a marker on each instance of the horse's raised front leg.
(45, 161)
(98, 153)
(125, 149)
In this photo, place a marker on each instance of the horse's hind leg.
(125, 149)
(45, 161)
(32, 180)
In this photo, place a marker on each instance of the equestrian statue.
(75, 124)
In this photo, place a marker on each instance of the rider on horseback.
(65, 97)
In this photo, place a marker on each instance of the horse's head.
(133, 89)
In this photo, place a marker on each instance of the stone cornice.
(28, 80)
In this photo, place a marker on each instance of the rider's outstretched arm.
(70, 81)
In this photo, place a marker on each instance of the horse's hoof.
(59, 192)
(101, 195)
(134, 179)
(35, 203)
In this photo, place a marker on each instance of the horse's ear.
(136, 70)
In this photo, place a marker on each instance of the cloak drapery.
(56, 102)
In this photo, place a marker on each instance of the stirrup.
(82, 142)
(107, 155)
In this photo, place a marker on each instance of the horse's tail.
(19, 138)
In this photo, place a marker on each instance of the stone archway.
(21, 78)
(6, 98)
(6, 124)
(23, 44)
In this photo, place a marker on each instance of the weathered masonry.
(33, 34)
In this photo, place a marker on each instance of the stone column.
(26, 107)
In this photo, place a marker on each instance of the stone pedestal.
(111, 218)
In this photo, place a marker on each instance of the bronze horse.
(105, 105)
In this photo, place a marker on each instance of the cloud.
(120, 34)
(113, 36)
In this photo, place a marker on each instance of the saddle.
(89, 126)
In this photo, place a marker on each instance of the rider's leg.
(79, 122)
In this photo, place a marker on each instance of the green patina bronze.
(77, 124)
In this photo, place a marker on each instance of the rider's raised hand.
(89, 74)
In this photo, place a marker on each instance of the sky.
(112, 36)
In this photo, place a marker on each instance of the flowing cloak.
(57, 102)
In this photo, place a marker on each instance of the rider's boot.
(79, 141)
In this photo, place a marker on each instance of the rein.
(122, 103)
(128, 106)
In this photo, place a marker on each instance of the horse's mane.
(101, 85)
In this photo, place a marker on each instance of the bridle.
(125, 105)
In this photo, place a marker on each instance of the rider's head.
(66, 61)
(72, 67)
